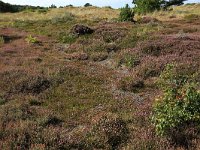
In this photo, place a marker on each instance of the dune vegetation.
(78, 78)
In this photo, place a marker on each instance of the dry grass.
(91, 13)
(177, 13)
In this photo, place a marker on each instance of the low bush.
(149, 69)
(67, 38)
(178, 107)
(129, 60)
(34, 102)
(130, 84)
(192, 17)
(1, 40)
(99, 56)
(32, 85)
(2, 101)
(31, 40)
(151, 49)
(109, 132)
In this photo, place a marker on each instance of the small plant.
(152, 49)
(99, 56)
(2, 41)
(130, 84)
(126, 14)
(109, 131)
(69, 38)
(179, 105)
(31, 39)
(2, 101)
(192, 17)
(35, 102)
(129, 61)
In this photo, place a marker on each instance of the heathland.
(60, 89)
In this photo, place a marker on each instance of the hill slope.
(95, 91)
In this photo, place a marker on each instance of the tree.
(174, 2)
(53, 6)
(87, 5)
(146, 6)
(6, 7)
(126, 14)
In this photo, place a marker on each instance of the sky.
(113, 3)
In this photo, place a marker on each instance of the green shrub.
(179, 105)
(35, 102)
(126, 14)
(109, 132)
(2, 41)
(67, 38)
(129, 60)
(146, 6)
(2, 101)
(130, 84)
(99, 56)
(192, 17)
(30, 39)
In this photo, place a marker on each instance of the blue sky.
(113, 3)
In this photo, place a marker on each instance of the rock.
(81, 30)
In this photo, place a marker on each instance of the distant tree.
(174, 2)
(87, 5)
(70, 5)
(126, 14)
(146, 6)
(53, 6)
(6, 7)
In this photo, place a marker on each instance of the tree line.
(146, 6)
(6, 7)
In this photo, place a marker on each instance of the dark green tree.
(126, 14)
(53, 6)
(87, 5)
(146, 6)
(174, 2)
